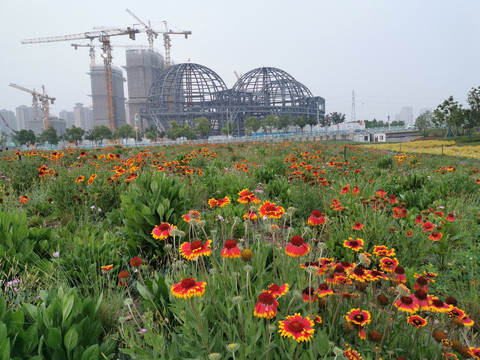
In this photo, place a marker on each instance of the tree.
(300, 121)
(336, 118)
(448, 114)
(284, 121)
(24, 137)
(202, 126)
(50, 135)
(101, 132)
(178, 131)
(125, 131)
(473, 100)
(269, 123)
(3, 138)
(311, 121)
(423, 122)
(227, 128)
(151, 133)
(253, 124)
(74, 134)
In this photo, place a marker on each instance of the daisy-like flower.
(358, 317)
(387, 264)
(106, 268)
(24, 199)
(381, 192)
(355, 190)
(297, 247)
(80, 179)
(92, 177)
(406, 304)
(450, 218)
(136, 261)
(191, 251)
(250, 215)
(355, 245)
(247, 197)
(191, 215)
(188, 288)
(266, 306)
(376, 275)
(409, 233)
(428, 226)
(359, 274)
(345, 190)
(381, 250)
(323, 290)
(298, 328)
(400, 277)
(220, 203)
(475, 352)
(278, 290)
(122, 276)
(271, 210)
(358, 226)
(418, 219)
(316, 218)
(439, 306)
(230, 249)
(393, 199)
(351, 354)
(162, 231)
(417, 321)
(435, 236)
(308, 295)
(318, 319)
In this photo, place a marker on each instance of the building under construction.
(188, 91)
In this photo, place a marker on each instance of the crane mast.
(104, 37)
(44, 98)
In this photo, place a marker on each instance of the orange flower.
(136, 261)
(435, 236)
(358, 226)
(188, 288)
(251, 215)
(191, 251)
(24, 199)
(106, 268)
(80, 179)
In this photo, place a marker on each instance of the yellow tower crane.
(44, 98)
(104, 37)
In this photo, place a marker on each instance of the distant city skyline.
(392, 54)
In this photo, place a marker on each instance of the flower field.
(239, 251)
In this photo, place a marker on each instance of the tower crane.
(104, 37)
(44, 98)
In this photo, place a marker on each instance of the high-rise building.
(143, 67)
(28, 120)
(68, 116)
(406, 115)
(11, 120)
(99, 97)
(83, 117)
(59, 125)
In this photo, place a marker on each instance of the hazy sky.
(392, 53)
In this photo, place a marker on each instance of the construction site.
(160, 91)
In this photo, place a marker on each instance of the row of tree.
(452, 116)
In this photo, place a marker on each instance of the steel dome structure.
(184, 92)
(188, 91)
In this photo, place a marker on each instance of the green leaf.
(3, 331)
(30, 311)
(67, 306)
(91, 353)
(54, 338)
(5, 349)
(3, 307)
(71, 339)
(30, 339)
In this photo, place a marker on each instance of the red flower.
(316, 218)
(359, 274)
(24, 199)
(278, 291)
(417, 321)
(162, 231)
(266, 306)
(428, 226)
(297, 247)
(308, 295)
(435, 236)
(187, 288)
(406, 303)
(400, 277)
(381, 250)
(450, 218)
(247, 197)
(122, 276)
(250, 215)
(191, 251)
(271, 210)
(136, 261)
(393, 199)
(345, 190)
(323, 290)
(409, 233)
(418, 219)
(191, 215)
(381, 192)
(355, 190)
(387, 264)
(230, 249)
(355, 245)
(297, 328)
(220, 203)
(358, 317)
(358, 226)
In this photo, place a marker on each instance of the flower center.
(316, 214)
(297, 241)
(406, 300)
(353, 243)
(399, 270)
(296, 327)
(358, 318)
(437, 303)
(323, 287)
(188, 283)
(359, 271)
(196, 245)
(273, 287)
(163, 227)
(230, 244)
(308, 291)
(265, 298)
(420, 294)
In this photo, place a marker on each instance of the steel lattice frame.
(188, 91)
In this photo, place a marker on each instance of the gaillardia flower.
(297, 247)
(247, 197)
(417, 321)
(230, 249)
(191, 251)
(278, 290)
(358, 226)
(298, 328)
(136, 261)
(162, 231)
(406, 304)
(187, 288)
(271, 210)
(355, 245)
(191, 215)
(316, 218)
(358, 317)
(266, 306)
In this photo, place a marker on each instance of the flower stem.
(200, 328)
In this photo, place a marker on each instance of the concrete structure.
(68, 116)
(24, 113)
(99, 97)
(10, 118)
(83, 117)
(143, 67)
(58, 124)
(406, 115)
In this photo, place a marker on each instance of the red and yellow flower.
(24, 199)
(406, 304)
(388, 264)
(220, 202)
(417, 321)
(354, 244)
(278, 290)
(230, 250)
(266, 306)
(358, 226)
(163, 231)
(297, 247)
(298, 328)
(188, 288)
(191, 215)
(323, 290)
(106, 268)
(435, 236)
(381, 250)
(316, 218)
(191, 251)
(247, 197)
(358, 317)
(351, 354)
(250, 215)
(80, 179)
(271, 210)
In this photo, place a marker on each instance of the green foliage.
(151, 200)
(125, 131)
(101, 132)
(385, 162)
(74, 134)
(271, 170)
(202, 126)
(177, 131)
(50, 135)
(24, 137)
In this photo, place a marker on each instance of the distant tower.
(354, 116)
